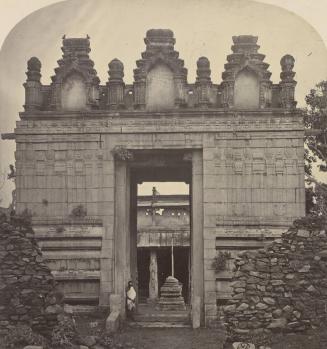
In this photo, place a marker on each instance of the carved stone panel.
(160, 88)
(73, 95)
(246, 93)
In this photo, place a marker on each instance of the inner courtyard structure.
(82, 148)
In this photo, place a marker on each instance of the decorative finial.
(116, 70)
(287, 63)
(87, 36)
(33, 69)
(203, 71)
(64, 37)
(34, 64)
(158, 39)
(246, 44)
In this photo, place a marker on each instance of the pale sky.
(117, 29)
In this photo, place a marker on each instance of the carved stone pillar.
(55, 95)
(203, 82)
(116, 84)
(153, 281)
(287, 83)
(122, 255)
(265, 94)
(197, 246)
(33, 93)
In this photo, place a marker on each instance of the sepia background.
(117, 28)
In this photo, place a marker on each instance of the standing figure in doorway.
(130, 300)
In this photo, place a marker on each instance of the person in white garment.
(130, 300)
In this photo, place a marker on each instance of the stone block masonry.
(283, 287)
(28, 294)
(245, 146)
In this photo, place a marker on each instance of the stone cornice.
(183, 122)
(181, 113)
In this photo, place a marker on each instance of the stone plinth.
(171, 295)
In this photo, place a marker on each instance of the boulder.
(278, 323)
(243, 345)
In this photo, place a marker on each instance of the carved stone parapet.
(287, 95)
(55, 96)
(180, 91)
(265, 94)
(203, 95)
(139, 94)
(93, 93)
(115, 95)
(228, 94)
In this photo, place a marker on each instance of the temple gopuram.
(83, 147)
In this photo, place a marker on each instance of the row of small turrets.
(159, 50)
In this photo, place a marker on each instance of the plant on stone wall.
(220, 261)
(21, 336)
(23, 218)
(78, 211)
(122, 153)
(64, 333)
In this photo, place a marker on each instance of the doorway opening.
(163, 238)
(160, 224)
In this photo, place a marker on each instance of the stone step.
(88, 309)
(163, 317)
(159, 324)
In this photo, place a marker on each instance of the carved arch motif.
(74, 92)
(246, 60)
(159, 52)
(161, 59)
(160, 88)
(75, 63)
(247, 89)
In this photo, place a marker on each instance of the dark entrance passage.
(143, 272)
(181, 270)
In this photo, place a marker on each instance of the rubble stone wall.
(282, 287)
(28, 293)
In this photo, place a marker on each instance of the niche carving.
(246, 90)
(73, 93)
(160, 88)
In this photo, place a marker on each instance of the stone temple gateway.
(82, 148)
